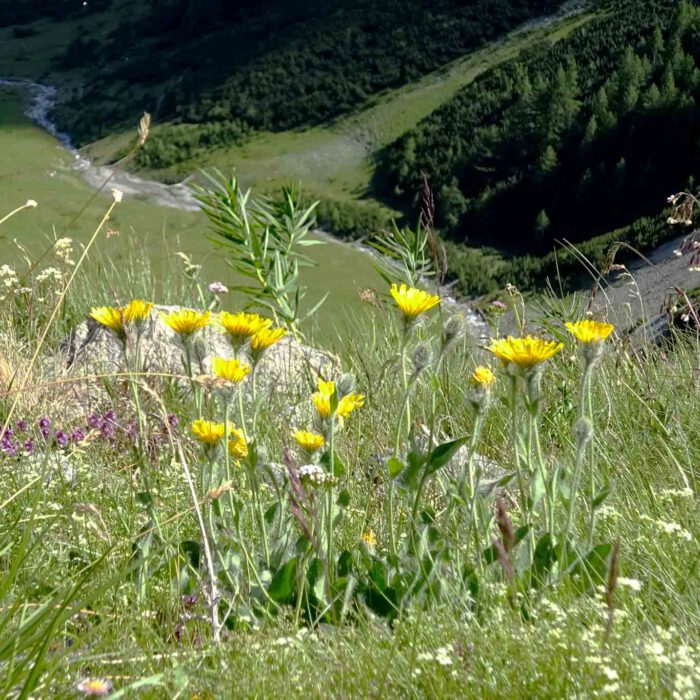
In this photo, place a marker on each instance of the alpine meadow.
(349, 349)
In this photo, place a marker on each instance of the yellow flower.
(231, 370)
(590, 331)
(413, 302)
(309, 441)
(242, 326)
(263, 340)
(349, 403)
(208, 432)
(110, 316)
(187, 321)
(526, 352)
(483, 377)
(322, 398)
(137, 310)
(346, 405)
(237, 446)
(266, 338)
(370, 539)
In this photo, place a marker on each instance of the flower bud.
(345, 384)
(421, 358)
(583, 430)
(452, 329)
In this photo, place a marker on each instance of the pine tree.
(542, 224)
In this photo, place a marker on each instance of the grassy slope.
(647, 449)
(34, 166)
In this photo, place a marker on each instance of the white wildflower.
(610, 673)
(31, 203)
(117, 194)
(63, 249)
(630, 583)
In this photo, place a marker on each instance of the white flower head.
(117, 194)
(31, 203)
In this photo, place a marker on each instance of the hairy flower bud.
(346, 384)
(421, 358)
(583, 430)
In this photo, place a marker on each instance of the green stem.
(514, 431)
(471, 476)
(329, 503)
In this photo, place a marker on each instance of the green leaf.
(442, 454)
(343, 498)
(593, 568)
(395, 466)
(283, 584)
(543, 559)
(600, 497)
(537, 488)
(338, 468)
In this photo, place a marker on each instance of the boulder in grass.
(93, 349)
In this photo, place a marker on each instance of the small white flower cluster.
(314, 475)
(49, 274)
(9, 282)
(669, 528)
(671, 494)
(632, 583)
(442, 656)
(63, 250)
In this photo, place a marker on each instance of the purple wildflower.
(218, 288)
(61, 438)
(78, 435)
(45, 426)
(29, 447)
(21, 426)
(94, 421)
(131, 431)
(173, 420)
(10, 448)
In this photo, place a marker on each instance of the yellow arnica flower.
(209, 432)
(590, 331)
(349, 403)
(346, 405)
(187, 321)
(482, 376)
(369, 538)
(230, 370)
(110, 316)
(137, 310)
(237, 446)
(266, 338)
(525, 352)
(309, 441)
(412, 302)
(242, 326)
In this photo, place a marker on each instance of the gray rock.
(289, 367)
